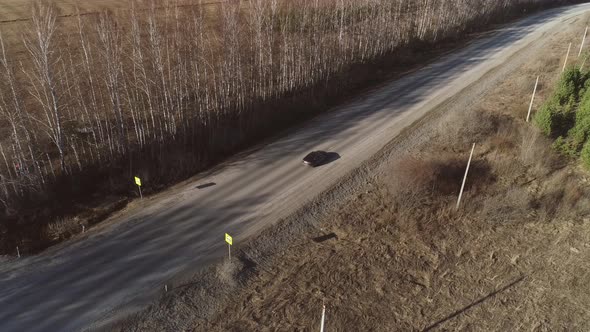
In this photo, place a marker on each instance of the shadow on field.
(478, 302)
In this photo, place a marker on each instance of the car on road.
(316, 158)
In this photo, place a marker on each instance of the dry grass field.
(398, 256)
(20, 10)
(15, 15)
(514, 258)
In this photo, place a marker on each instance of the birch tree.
(45, 77)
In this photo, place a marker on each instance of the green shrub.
(566, 147)
(585, 155)
(580, 133)
(544, 117)
(557, 116)
(570, 86)
(555, 120)
(567, 118)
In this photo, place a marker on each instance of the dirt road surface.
(122, 267)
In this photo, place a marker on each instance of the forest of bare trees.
(162, 91)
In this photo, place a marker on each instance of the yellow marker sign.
(138, 181)
(228, 239)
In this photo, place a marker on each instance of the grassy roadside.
(397, 256)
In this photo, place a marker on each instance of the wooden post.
(532, 99)
(323, 318)
(465, 177)
(583, 41)
(567, 56)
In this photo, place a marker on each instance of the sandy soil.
(386, 250)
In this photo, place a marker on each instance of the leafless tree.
(156, 81)
(44, 78)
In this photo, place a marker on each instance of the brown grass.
(62, 229)
(491, 267)
(513, 258)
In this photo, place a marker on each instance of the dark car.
(316, 158)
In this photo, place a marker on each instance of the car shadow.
(206, 185)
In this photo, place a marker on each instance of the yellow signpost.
(138, 183)
(230, 242)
